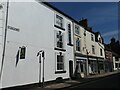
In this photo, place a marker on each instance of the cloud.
(115, 32)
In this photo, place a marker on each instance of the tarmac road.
(111, 81)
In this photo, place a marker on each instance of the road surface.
(111, 81)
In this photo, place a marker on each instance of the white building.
(116, 61)
(31, 27)
(89, 50)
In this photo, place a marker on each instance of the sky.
(102, 16)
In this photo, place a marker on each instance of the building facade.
(116, 61)
(108, 59)
(89, 50)
(38, 45)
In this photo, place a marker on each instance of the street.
(111, 81)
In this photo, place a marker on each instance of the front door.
(71, 68)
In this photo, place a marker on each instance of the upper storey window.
(77, 30)
(59, 21)
(92, 37)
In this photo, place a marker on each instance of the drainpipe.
(5, 39)
(74, 47)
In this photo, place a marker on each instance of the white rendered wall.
(36, 24)
(2, 28)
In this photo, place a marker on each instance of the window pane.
(93, 49)
(22, 53)
(60, 62)
(77, 45)
(58, 58)
(59, 40)
(59, 20)
(92, 38)
(69, 33)
(77, 29)
(61, 66)
(101, 52)
(58, 67)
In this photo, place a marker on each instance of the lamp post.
(39, 68)
(87, 67)
(39, 54)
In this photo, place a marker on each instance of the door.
(71, 68)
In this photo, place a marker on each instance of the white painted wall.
(86, 40)
(36, 24)
(114, 62)
(98, 47)
(2, 24)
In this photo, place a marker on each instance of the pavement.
(70, 83)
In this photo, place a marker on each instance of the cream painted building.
(89, 50)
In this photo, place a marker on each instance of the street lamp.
(39, 54)
(87, 52)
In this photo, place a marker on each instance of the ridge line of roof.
(61, 12)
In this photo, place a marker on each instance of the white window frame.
(78, 30)
(63, 41)
(69, 35)
(92, 37)
(101, 52)
(60, 21)
(76, 44)
(56, 67)
(92, 49)
(99, 40)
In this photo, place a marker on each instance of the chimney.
(84, 23)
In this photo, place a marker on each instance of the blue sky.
(102, 16)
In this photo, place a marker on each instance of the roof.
(115, 54)
(96, 37)
(73, 20)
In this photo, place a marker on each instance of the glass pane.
(59, 20)
(22, 53)
(61, 45)
(58, 67)
(61, 66)
(58, 58)
(61, 37)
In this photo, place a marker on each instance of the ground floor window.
(60, 62)
(116, 65)
(101, 67)
(81, 66)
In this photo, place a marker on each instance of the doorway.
(71, 68)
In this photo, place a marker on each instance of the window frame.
(92, 37)
(101, 52)
(58, 40)
(76, 30)
(62, 62)
(69, 33)
(77, 45)
(60, 20)
(93, 49)
(22, 56)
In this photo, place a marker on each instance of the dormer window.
(92, 37)
(100, 40)
(77, 30)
